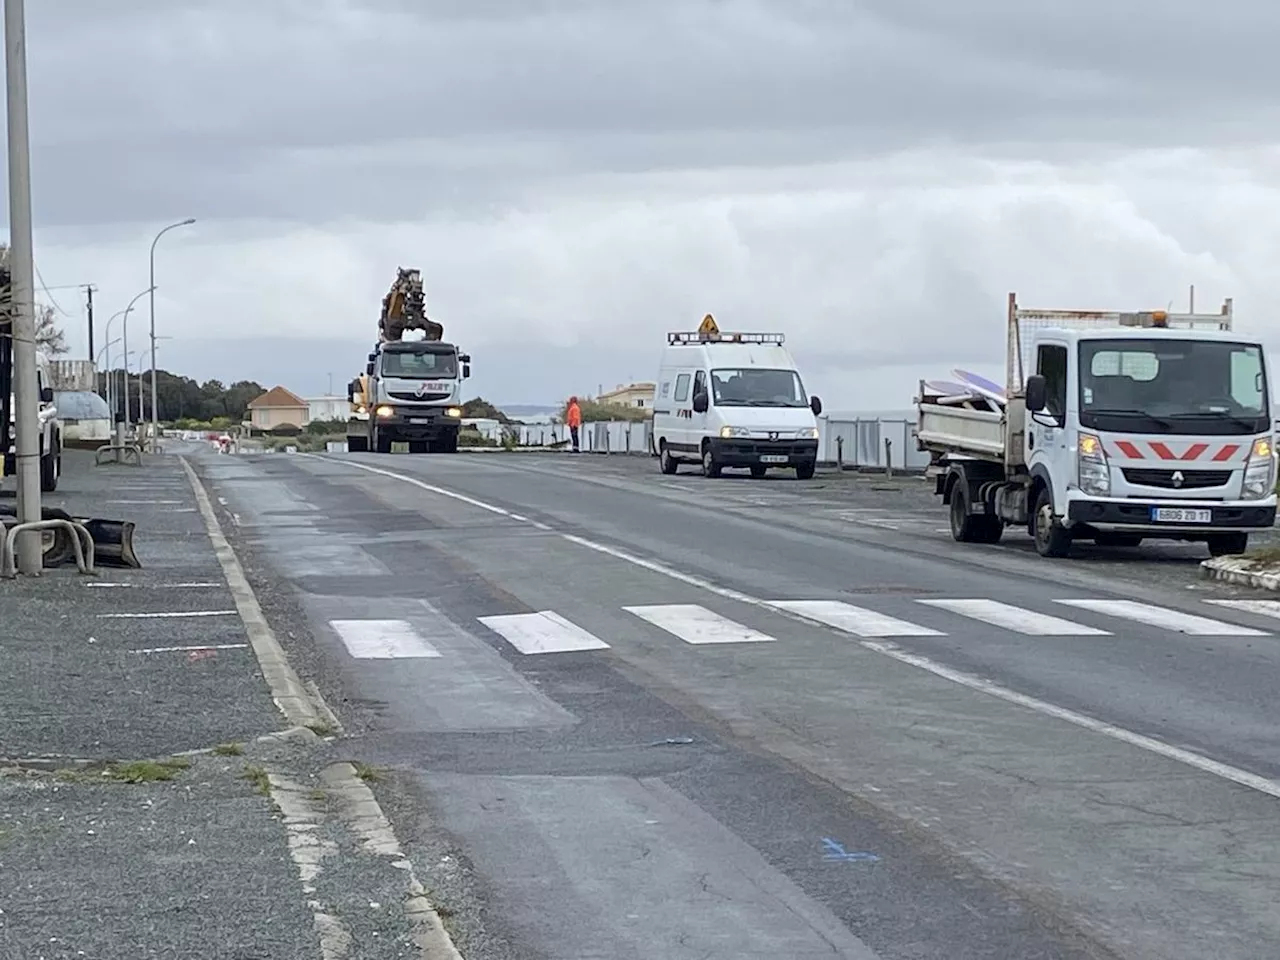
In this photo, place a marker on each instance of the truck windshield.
(757, 387)
(419, 365)
(1173, 386)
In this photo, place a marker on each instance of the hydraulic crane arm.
(405, 308)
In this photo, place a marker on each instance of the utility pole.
(26, 396)
(89, 288)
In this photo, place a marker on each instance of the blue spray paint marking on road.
(837, 852)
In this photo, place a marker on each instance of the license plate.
(419, 419)
(774, 458)
(1180, 515)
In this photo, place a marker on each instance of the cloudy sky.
(577, 177)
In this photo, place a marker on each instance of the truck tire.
(419, 446)
(969, 527)
(50, 469)
(1051, 538)
(1228, 544)
(381, 441)
(449, 442)
(357, 443)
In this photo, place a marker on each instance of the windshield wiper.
(1131, 413)
(1249, 423)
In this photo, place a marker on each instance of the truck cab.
(1152, 432)
(50, 431)
(411, 392)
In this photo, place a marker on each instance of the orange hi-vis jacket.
(574, 415)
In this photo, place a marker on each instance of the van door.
(682, 409)
(698, 421)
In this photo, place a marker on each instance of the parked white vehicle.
(1116, 427)
(50, 431)
(733, 400)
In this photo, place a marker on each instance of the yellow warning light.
(709, 325)
(1159, 318)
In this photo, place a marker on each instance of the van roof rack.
(697, 337)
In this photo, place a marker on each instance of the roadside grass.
(368, 773)
(228, 750)
(258, 777)
(146, 771)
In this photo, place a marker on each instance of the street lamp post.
(155, 424)
(141, 416)
(124, 334)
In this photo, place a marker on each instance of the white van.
(733, 400)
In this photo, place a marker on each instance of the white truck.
(49, 421)
(1116, 427)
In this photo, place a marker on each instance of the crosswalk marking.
(382, 640)
(543, 632)
(855, 620)
(1265, 608)
(1016, 618)
(696, 624)
(1164, 618)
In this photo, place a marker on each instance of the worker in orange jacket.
(573, 417)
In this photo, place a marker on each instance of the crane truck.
(1114, 427)
(411, 390)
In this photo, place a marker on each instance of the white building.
(328, 408)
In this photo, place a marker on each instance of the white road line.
(1189, 758)
(1164, 618)
(1016, 618)
(176, 615)
(198, 646)
(544, 632)
(203, 585)
(149, 503)
(695, 624)
(382, 640)
(855, 620)
(1264, 608)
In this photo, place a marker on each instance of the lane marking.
(1016, 618)
(858, 621)
(201, 585)
(543, 632)
(167, 616)
(697, 625)
(1189, 758)
(1164, 618)
(1264, 608)
(198, 646)
(152, 503)
(382, 640)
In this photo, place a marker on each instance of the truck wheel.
(381, 441)
(357, 444)
(667, 463)
(419, 446)
(449, 443)
(1052, 539)
(1228, 544)
(804, 471)
(969, 527)
(50, 470)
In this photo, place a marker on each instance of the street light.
(155, 425)
(125, 336)
(142, 418)
(110, 390)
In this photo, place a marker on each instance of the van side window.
(699, 383)
(1051, 363)
(682, 388)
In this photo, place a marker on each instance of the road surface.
(631, 716)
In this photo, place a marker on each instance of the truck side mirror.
(368, 369)
(816, 406)
(701, 402)
(464, 358)
(1037, 393)
(46, 395)
(466, 371)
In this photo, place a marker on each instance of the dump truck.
(1114, 427)
(411, 390)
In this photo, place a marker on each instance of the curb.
(1241, 571)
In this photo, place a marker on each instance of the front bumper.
(747, 452)
(409, 423)
(1136, 516)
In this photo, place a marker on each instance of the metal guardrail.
(81, 543)
(118, 452)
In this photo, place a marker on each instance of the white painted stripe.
(176, 615)
(544, 632)
(1263, 608)
(1164, 618)
(199, 646)
(160, 503)
(855, 620)
(1016, 618)
(1189, 758)
(697, 625)
(100, 585)
(382, 640)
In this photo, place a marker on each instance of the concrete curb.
(287, 690)
(1243, 572)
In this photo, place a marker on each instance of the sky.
(576, 178)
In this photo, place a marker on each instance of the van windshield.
(757, 387)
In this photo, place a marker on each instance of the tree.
(593, 411)
(49, 336)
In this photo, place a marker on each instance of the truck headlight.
(727, 432)
(384, 411)
(454, 412)
(1260, 474)
(1095, 473)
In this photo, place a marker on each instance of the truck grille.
(416, 397)
(1191, 479)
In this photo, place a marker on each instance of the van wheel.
(805, 471)
(50, 470)
(666, 462)
(710, 468)
(1052, 539)
(758, 471)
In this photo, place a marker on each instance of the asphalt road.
(630, 715)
